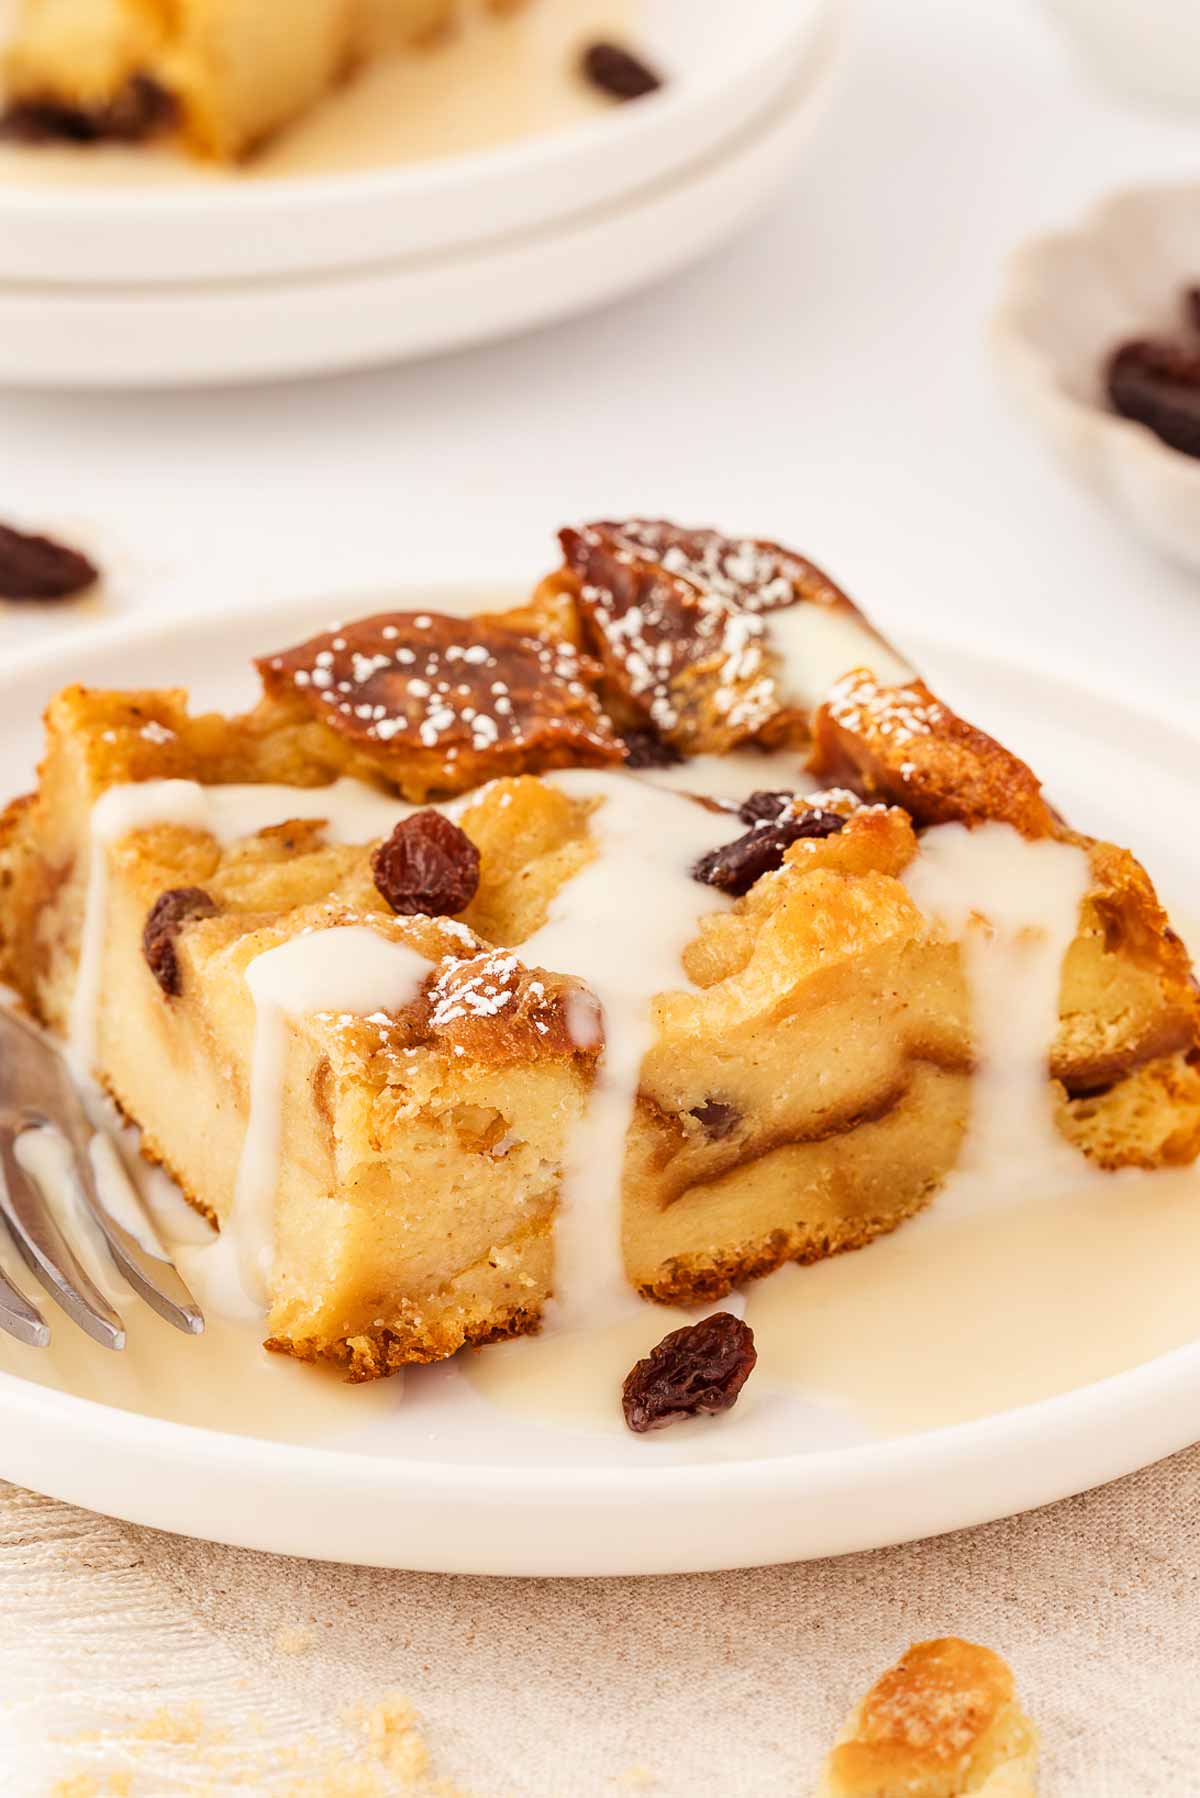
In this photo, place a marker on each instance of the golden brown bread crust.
(906, 748)
(377, 1353)
(677, 618)
(903, 746)
(439, 705)
(945, 1721)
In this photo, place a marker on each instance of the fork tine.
(41, 1242)
(20, 1318)
(153, 1276)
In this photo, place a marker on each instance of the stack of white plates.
(169, 283)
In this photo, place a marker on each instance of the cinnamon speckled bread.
(811, 1047)
(224, 73)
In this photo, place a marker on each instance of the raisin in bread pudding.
(222, 74)
(632, 942)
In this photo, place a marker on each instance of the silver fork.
(37, 1093)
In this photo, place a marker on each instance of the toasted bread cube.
(945, 1721)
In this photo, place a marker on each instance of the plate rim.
(1076, 1416)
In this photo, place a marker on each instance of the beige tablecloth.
(134, 1662)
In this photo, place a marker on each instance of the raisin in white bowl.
(1070, 299)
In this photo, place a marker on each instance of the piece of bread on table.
(944, 1722)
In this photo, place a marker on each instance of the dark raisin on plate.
(1157, 383)
(619, 72)
(427, 865)
(169, 913)
(33, 567)
(694, 1372)
(734, 867)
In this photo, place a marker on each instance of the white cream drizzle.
(355, 813)
(621, 926)
(819, 644)
(348, 969)
(120, 1197)
(733, 776)
(48, 1159)
(1014, 906)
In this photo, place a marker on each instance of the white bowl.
(1070, 298)
(217, 227)
(1147, 49)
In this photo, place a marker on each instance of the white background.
(825, 380)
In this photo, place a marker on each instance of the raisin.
(696, 1371)
(142, 109)
(717, 1118)
(169, 913)
(427, 865)
(1191, 306)
(646, 749)
(38, 568)
(765, 807)
(619, 72)
(139, 110)
(1158, 384)
(736, 866)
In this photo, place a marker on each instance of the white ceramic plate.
(435, 1478)
(256, 330)
(721, 74)
(1070, 298)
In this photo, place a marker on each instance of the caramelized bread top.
(679, 620)
(902, 745)
(441, 705)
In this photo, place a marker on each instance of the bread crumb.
(293, 1641)
(636, 1779)
(394, 1736)
(87, 1785)
(182, 1728)
(384, 1756)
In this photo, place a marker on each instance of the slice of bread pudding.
(224, 74)
(669, 991)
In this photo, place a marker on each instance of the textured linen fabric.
(176, 1667)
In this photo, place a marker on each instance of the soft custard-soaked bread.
(812, 1044)
(224, 73)
(944, 1722)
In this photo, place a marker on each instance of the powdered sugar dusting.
(902, 714)
(683, 615)
(454, 687)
